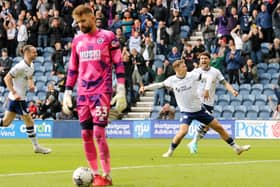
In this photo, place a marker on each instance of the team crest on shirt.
(100, 40)
(115, 43)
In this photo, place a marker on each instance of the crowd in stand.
(239, 34)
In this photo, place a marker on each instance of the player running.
(208, 104)
(19, 80)
(94, 53)
(185, 87)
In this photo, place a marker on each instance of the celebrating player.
(18, 80)
(93, 54)
(208, 104)
(185, 87)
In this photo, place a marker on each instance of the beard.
(86, 29)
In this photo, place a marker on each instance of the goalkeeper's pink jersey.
(92, 59)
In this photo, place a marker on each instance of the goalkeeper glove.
(120, 98)
(67, 102)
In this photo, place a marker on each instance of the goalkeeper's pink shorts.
(94, 107)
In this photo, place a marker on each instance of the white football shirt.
(216, 77)
(20, 73)
(185, 91)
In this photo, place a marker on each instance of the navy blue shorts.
(18, 107)
(208, 108)
(201, 116)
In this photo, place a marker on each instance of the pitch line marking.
(146, 166)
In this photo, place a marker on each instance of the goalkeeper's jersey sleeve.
(93, 57)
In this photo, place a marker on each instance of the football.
(82, 177)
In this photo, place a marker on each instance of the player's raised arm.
(229, 87)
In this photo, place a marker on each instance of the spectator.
(275, 108)
(221, 22)
(198, 48)
(120, 36)
(209, 33)
(148, 50)
(139, 69)
(43, 28)
(127, 23)
(256, 38)
(11, 32)
(188, 57)
(233, 61)
(57, 60)
(162, 38)
(276, 21)
(135, 41)
(245, 20)
(174, 55)
(175, 22)
(187, 9)
(264, 21)
(22, 36)
(249, 72)
(32, 29)
(5, 65)
(217, 61)
(32, 108)
(55, 32)
(160, 92)
(274, 52)
(159, 12)
(167, 112)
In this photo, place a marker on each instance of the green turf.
(138, 163)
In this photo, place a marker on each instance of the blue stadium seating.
(262, 68)
(268, 89)
(236, 101)
(217, 112)
(260, 100)
(159, 57)
(256, 89)
(228, 111)
(248, 100)
(240, 112)
(265, 112)
(220, 90)
(274, 78)
(273, 68)
(252, 112)
(224, 100)
(265, 78)
(244, 89)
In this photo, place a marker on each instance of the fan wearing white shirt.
(18, 80)
(185, 87)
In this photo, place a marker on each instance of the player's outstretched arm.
(229, 87)
(151, 87)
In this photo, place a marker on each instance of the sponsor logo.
(99, 40)
(276, 129)
(90, 55)
(253, 129)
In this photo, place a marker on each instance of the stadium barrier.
(250, 129)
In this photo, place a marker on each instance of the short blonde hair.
(177, 63)
(81, 10)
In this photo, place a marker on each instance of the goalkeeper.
(94, 54)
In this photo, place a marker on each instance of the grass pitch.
(138, 163)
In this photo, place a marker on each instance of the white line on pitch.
(147, 166)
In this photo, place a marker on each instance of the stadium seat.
(228, 111)
(235, 101)
(157, 63)
(159, 57)
(261, 100)
(256, 89)
(40, 86)
(268, 89)
(273, 68)
(248, 100)
(235, 86)
(274, 78)
(40, 69)
(220, 90)
(154, 114)
(217, 112)
(41, 95)
(41, 79)
(2, 89)
(262, 68)
(244, 89)
(265, 112)
(39, 59)
(240, 112)
(265, 78)
(17, 59)
(224, 100)
(252, 112)
(49, 50)
(177, 115)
